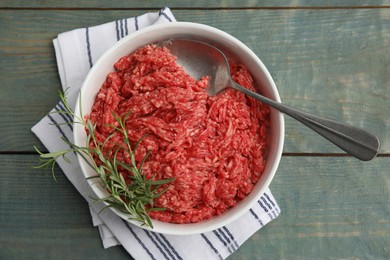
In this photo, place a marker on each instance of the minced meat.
(214, 147)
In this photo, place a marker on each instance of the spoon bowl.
(200, 59)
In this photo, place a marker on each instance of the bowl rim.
(141, 35)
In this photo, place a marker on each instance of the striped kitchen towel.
(76, 52)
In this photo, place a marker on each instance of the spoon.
(200, 59)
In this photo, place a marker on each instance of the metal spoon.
(200, 59)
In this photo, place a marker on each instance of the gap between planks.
(195, 8)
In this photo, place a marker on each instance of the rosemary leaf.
(129, 190)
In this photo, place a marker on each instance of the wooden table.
(331, 59)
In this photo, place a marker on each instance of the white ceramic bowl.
(235, 49)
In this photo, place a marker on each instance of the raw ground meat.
(214, 146)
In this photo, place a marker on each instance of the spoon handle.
(355, 141)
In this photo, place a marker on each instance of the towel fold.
(76, 52)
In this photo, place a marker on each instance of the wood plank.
(191, 4)
(331, 208)
(333, 63)
(41, 218)
(16, 124)
(29, 92)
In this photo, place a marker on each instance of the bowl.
(237, 51)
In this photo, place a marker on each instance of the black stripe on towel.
(88, 47)
(266, 202)
(62, 106)
(152, 239)
(266, 210)
(228, 238)
(139, 240)
(161, 13)
(269, 206)
(170, 246)
(269, 199)
(272, 203)
(211, 246)
(256, 217)
(117, 30)
(58, 128)
(262, 206)
(66, 120)
(231, 236)
(222, 240)
(136, 23)
(126, 29)
(228, 241)
(121, 27)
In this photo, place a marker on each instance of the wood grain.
(192, 4)
(329, 57)
(44, 219)
(332, 63)
(331, 208)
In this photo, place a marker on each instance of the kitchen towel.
(76, 52)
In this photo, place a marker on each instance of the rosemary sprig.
(134, 196)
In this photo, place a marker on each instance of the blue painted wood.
(329, 57)
(330, 62)
(331, 208)
(198, 4)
